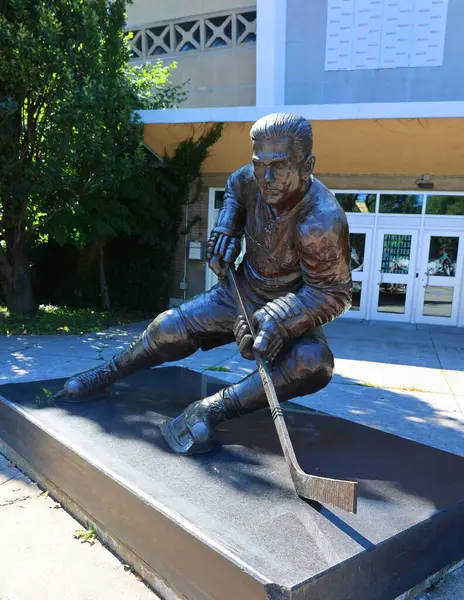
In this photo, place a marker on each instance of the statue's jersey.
(304, 251)
(271, 263)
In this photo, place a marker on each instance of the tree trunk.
(17, 284)
(104, 290)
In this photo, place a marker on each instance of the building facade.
(381, 82)
(213, 43)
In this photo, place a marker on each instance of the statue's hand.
(269, 338)
(222, 250)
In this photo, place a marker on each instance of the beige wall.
(218, 78)
(149, 11)
(409, 147)
(196, 269)
(224, 76)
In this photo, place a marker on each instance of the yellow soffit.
(377, 146)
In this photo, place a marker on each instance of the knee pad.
(168, 334)
(309, 368)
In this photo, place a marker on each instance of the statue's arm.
(326, 290)
(231, 217)
(224, 244)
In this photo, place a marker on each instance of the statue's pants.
(303, 366)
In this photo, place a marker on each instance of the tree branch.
(5, 266)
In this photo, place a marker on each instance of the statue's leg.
(304, 366)
(164, 340)
(173, 335)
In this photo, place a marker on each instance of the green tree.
(445, 205)
(409, 204)
(155, 206)
(68, 136)
(148, 207)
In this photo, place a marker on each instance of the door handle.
(381, 278)
(428, 276)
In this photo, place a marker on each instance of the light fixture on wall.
(424, 183)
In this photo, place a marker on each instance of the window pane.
(410, 204)
(356, 291)
(358, 244)
(218, 198)
(392, 298)
(396, 252)
(438, 301)
(443, 252)
(358, 203)
(445, 205)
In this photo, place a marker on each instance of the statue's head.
(282, 157)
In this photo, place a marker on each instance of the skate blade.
(184, 443)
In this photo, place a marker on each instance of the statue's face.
(279, 174)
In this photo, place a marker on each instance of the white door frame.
(363, 276)
(374, 229)
(378, 277)
(426, 279)
(211, 278)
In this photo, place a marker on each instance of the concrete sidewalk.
(40, 559)
(393, 377)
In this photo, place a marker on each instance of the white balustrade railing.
(195, 34)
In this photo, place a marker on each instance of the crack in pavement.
(15, 500)
(443, 372)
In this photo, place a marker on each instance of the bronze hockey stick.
(339, 493)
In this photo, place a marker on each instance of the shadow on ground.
(130, 413)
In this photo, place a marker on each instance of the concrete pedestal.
(228, 525)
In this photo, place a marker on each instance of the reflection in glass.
(445, 205)
(396, 253)
(357, 246)
(443, 252)
(392, 298)
(218, 198)
(438, 301)
(356, 290)
(405, 204)
(358, 203)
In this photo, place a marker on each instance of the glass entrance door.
(440, 277)
(394, 272)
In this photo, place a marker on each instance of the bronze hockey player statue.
(295, 277)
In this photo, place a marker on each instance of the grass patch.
(52, 320)
(219, 369)
(45, 398)
(86, 536)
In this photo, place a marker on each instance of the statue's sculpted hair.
(278, 125)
